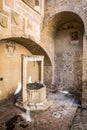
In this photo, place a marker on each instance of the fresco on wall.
(9, 3)
(3, 21)
(74, 36)
(32, 28)
(15, 18)
(10, 49)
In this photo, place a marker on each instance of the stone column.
(84, 77)
(42, 2)
(42, 69)
(24, 90)
(53, 69)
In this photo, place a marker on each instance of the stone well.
(36, 96)
(36, 93)
(33, 94)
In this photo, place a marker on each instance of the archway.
(20, 46)
(68, 53)
(66, 29)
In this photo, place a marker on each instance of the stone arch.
(51, 28)
(35, 49)
(65, 6)
(53, 22)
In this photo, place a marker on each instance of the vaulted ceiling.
(58, 20)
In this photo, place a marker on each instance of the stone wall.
(17, 19)
(76, 6)
(68, 61)
(84, 94)
(48, 76)
(54, 7)
(47, 42)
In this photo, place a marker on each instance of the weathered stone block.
(15, 18)
(3, 21)
(84, 103)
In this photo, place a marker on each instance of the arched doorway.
(68, 52)
(66, 29)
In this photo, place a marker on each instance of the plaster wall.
(48, 76)
(10, 69)
(33, 71)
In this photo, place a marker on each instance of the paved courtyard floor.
(59, 115)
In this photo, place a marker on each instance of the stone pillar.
(42, 69)
(42, 2)
(24, 90)
(84, 78)
(53, 69)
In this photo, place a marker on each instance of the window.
(32, 3)
(36, 2)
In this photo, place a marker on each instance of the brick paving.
(80, 120)
(58, 117)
